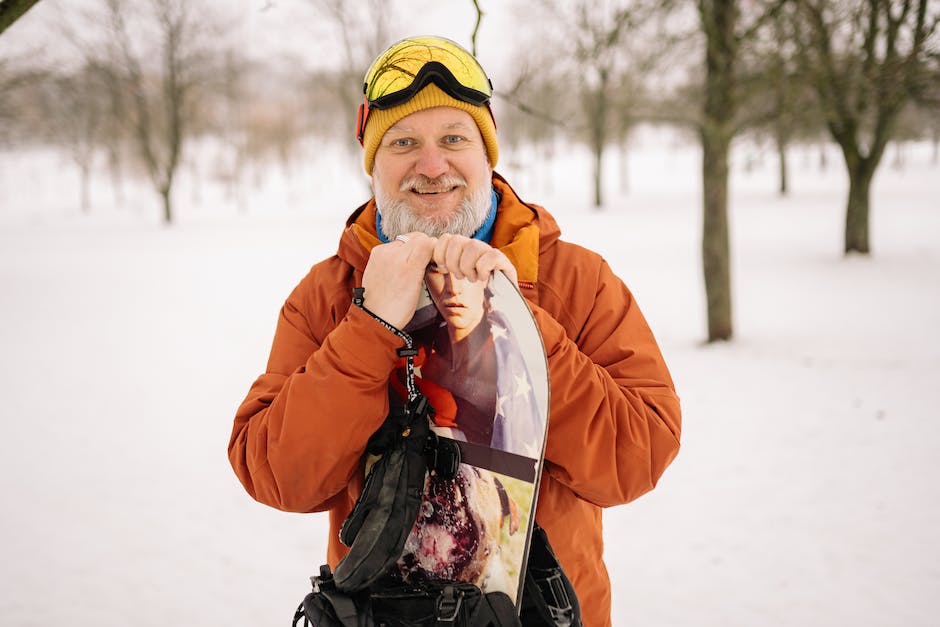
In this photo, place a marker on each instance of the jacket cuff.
(367, 347)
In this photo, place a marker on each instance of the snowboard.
(482, 366)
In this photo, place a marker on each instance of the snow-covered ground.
(805, 494)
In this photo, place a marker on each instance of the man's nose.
(432, 162)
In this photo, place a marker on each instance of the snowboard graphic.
(483, 368)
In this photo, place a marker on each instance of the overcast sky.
(274, 28)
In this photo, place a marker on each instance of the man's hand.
(394, 277)
(469, 258)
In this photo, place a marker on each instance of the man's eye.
(401, 142)
(453, 139)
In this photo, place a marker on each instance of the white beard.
(398, 218)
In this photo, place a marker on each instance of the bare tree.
(631, 100)
(362, 29)
(925, 94)
(538, 109)
(17, 80)
(719, 19)
(598, 34)
(930, 126)
(533, 99)
(726, 31)
(113, 133)
(866, 60)
(75, 109)
(776, 99)
(533, 109)
(275, 120)
(161, 77)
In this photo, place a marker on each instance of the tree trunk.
(857, 210)
(784, 169)
(716, 261)
(598, 175)
(718, 19)
(898, 162)
(86, 187)
(165, 193)
(597, 106)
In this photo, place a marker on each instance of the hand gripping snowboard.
(483, 368)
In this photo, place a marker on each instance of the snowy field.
(805, 494)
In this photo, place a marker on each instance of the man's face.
(431, 174)
(460, 301)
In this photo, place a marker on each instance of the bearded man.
(429, 136)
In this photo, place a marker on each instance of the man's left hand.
(470, 259)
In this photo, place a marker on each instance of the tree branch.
(12, 10)
(476, 28)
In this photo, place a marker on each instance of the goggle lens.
(394, 73)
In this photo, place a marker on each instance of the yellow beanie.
(380, 120)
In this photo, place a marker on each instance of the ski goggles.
(411, 65)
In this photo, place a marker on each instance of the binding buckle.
(448, 606)
(555, 596)
(443, 456)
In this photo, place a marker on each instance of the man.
(430, 146)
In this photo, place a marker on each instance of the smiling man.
(299, 438)
(431, 174)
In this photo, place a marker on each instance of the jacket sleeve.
(614, 419)
(299, 436)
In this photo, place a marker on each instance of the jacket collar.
(522, 230)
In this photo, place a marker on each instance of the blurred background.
(763, 174)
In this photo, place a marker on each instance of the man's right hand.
(394, 277)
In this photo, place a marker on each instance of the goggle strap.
(361, 119)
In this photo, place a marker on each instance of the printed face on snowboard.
(431, 174)
(460, 301)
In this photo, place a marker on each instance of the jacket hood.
(521, 232)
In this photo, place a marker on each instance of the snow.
(805, 492)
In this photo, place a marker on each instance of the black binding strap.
(496, 460)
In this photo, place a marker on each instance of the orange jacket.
(614, 423)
